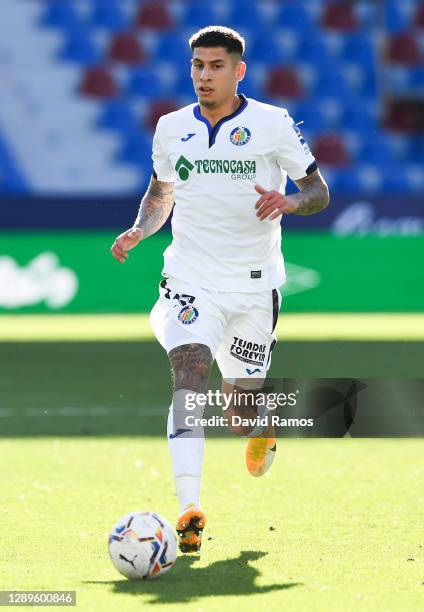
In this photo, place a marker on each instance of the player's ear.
(240, 70)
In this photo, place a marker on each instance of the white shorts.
(239, 328)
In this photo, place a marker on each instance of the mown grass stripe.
(110, 327)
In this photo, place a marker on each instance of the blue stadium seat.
(145, 82)
(249, 88)
(296, 16)
(200, 14)
(61, 14)
(313, 49)
(117, 115)
(289, 42)
(245, 16)
(415, 178)
(406, 80)
(265, 48)
(137, 149)
(415, 149)
(108, 14)
(345, 180)
(395, 179)
(417, 80)
(398, 79)
(357, 116)
(359, 48)
(79, 47)
(368, 13)
(397, 15)
(369, 84)
(173, 47)
(361, 79)
(375, 148)
(331, 82)
(184, 85)
(371, 178)
(331, 108)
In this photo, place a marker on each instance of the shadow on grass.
(186, 583)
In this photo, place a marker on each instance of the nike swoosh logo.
(250, 372)
(179, 432)
(188, 137)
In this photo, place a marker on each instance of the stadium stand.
(154, 15)
(351, 71)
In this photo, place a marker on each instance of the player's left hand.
(272, 204)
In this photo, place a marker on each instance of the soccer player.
(224, 161)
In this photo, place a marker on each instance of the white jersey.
(218, 241)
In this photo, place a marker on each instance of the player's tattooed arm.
(155, 207)
(312, 197)
(153, 212)
(191, 365)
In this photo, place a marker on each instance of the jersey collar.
(213, 131)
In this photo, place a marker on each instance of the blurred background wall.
(83, 83)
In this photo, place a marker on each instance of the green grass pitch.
(335, 526)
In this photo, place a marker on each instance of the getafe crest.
(240, 136)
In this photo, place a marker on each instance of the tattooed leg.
(243, 405)
(191, 365)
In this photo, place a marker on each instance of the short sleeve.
(161, 164)
(293, 153)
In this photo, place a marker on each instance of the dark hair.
(218, 36)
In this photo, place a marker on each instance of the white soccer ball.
(142, 545)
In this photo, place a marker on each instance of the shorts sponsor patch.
(249, 352)
(188, 314)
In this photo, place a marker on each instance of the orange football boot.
(260, 453)
(190, 527)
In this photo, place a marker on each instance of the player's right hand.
(124, 242)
